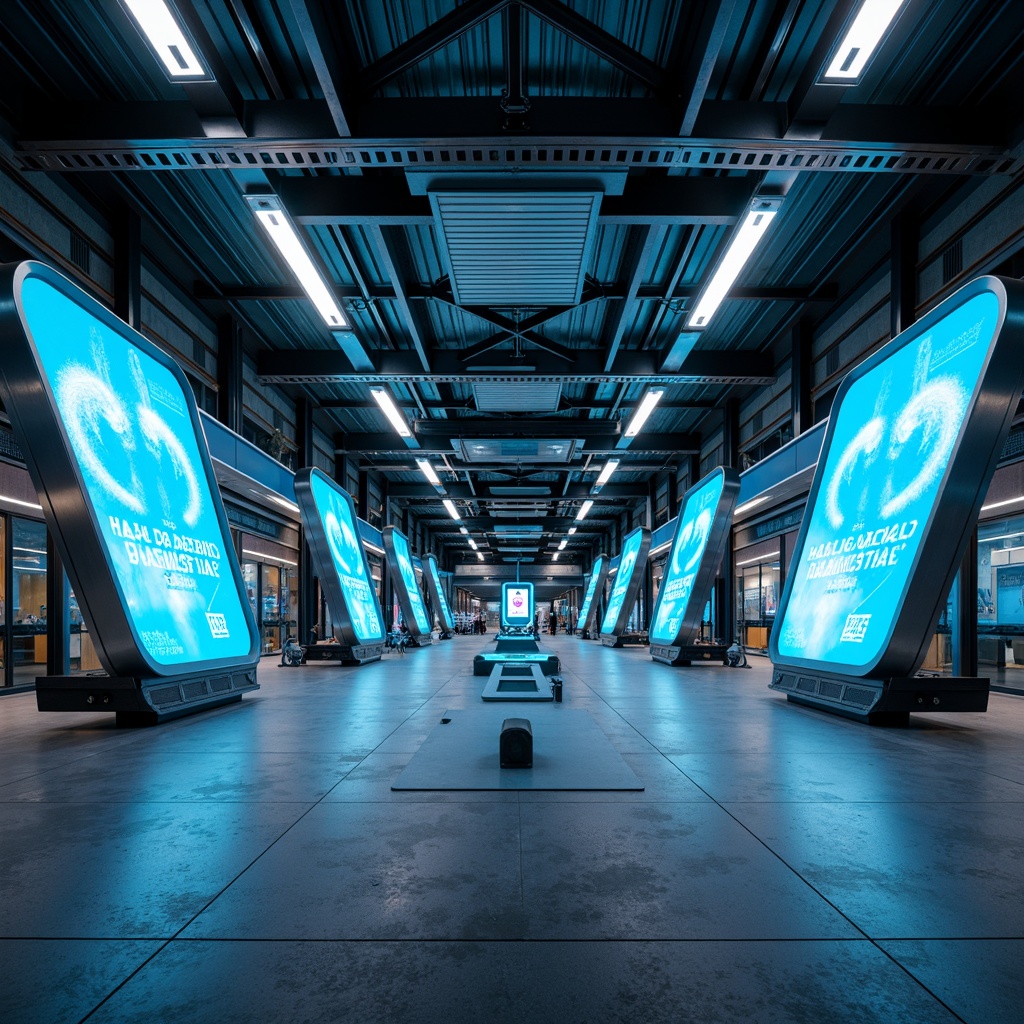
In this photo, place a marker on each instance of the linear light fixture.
(561, 546)
(388, 407)
(554, 557)
(472, 543)
(862, 38)
(480, 555)
(463, 531)
(572, 530)
(452, 510)
(760, 558)
(276, 222)
(1000, 504)
(605, 475)
(643, 410)
(156, 20)
(429, 472)
(584, 509)
(747, 506)
(18, 501)
(755, 223)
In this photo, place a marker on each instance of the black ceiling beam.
(636, 262)
(604, 44)
(312, 366)
(697, 70)
(451, 121)
(330, 72)
(433, 38)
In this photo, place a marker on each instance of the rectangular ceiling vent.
(516, 248)
(520, 531)
(518, 559)
(519, 492)
(515, 449)
(517, 396)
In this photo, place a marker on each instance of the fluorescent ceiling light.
(572, 530)
(561, 546)
(429, 472)
(275, 221)
(450, 506)
(261, 554)
(861, 40)
(480, 555)
(761, 213)
(1002, 536)
(1000, 504)
(748, 505)
(18, 501)
(643, 410)
(760, 558)
(167, 40)
(554, 557)
(584, 509)
(464, 531)
(609, 467)
(472, 544)
(388, 407)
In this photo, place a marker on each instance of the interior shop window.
(1001, 601)
(3, 601)
(28, 599)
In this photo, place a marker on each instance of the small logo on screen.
(218, 625)
(855, 629)
(517, 601)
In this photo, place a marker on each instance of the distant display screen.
(437, 592)
(598, 574)
(403, 558)
(1010, 594)
(348, 559)
(691, 541)
(891, 441)
(130, 427)
(517, 604)
(627, 566)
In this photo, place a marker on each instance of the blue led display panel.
(702, 531)
(113, 442)
(437, 595)
(632, 562)
(911, 445)
(517, 604)
(588, 613)
(403, 575)
(329, 520)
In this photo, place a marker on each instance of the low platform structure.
(346, 654)
(518, 682)
(483, 664)
(687, 654)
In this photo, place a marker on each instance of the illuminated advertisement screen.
(597, 577)
(403, 575)
(329, 520)
(437, 594)
(701, 532)
(517, 604)
(910, 449)
(627, 581)
(113, 441)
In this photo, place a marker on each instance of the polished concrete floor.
(252, 863)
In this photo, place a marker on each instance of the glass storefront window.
(28, 600)
(1000, 602)
(758, 586)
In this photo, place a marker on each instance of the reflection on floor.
(253, 864)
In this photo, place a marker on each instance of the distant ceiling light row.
(561, 546)
(275, 221)
(605, 475)
(388, 407)
(584, 509)
(157, 22)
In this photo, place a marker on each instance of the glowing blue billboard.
(517, 604)
(588, 613)
(339, 560)
(702, 530)
(403, 576)
(437, 595)
(113, 442)
(911, 445)
(632, 563)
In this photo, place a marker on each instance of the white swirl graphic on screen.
(87, 401)
(157, 434)
(856, 456)
(934, 415)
